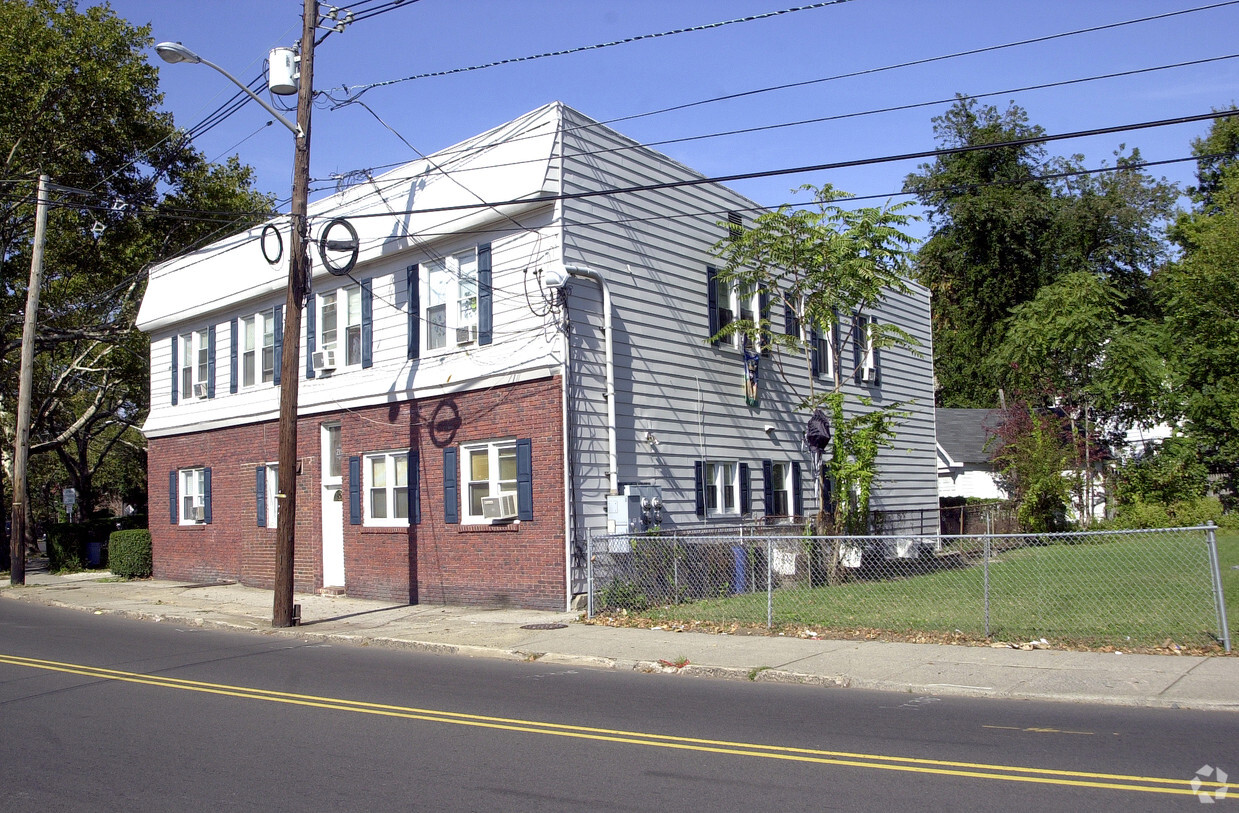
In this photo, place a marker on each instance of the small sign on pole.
(70, 497)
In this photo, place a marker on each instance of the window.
(386, 484)
(780, 482)
(722, 488)
(195, 364)
(340, 324)
(452, 301)
(266, 491)
(869, 354)
(258, 348)
(823, 342)
(739, 301)
(489, 470)
(193, 496)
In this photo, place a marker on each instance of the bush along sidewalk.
(129, 554)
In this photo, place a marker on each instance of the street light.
(297, 288)
(174, 53)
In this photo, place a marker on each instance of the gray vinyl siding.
(653, 248)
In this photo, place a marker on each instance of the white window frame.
(395, 495)
(722, 487)
(742, 301)
(825, 346)
(868, 368)
(272, 473)
(492, 483)
(194, 362)
(256, 337)
(451, 297)
(345, 324)
(781, 483)
(190, 494)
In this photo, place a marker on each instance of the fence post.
(1219, 597)
(675, 569)
(985, 567)
(589, 575)
(769, 582)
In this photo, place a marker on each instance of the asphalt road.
(102, 713)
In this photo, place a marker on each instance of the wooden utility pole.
(21, 452)
(290, 362)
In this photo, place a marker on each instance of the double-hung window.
(340, 324)
(781, 489)
(192, 483)
(257, 349)
(452, 301)
(722, 488)
(489, 471)
(195, 364)
(738, 301)
(386, 484)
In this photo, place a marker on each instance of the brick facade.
(521, 563)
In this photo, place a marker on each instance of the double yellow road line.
(970, 770)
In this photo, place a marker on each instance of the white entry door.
(333, 508)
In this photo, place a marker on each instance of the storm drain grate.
(544, 626)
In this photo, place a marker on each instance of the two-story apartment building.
(515, 344)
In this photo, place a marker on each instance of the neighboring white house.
(487, 376)
(963, 442)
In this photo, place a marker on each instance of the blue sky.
(858, 35)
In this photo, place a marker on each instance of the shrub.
(66, 547)
(1140, 514)
(129, 553)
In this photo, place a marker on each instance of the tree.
(1003, 230)
(826, 267)
(1030, 454)
(81, 104)
(1200, 298)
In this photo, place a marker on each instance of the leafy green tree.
(1030, 454)
(1200, 298)
(1166, 473)
(827, 264)
(81, 105)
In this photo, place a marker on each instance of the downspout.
(612, 440)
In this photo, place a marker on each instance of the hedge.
(129, 553)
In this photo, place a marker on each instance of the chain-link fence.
(1121, 588)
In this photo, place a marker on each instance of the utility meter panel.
(637, 510)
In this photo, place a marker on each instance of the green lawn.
(1120, 591)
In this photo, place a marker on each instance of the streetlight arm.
(175, 52)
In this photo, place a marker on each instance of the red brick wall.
(521, 564)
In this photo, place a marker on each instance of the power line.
(360, 89)
(798, 170)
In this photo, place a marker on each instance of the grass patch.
(1121, 591)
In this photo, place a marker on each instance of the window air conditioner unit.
(869, 374)
(200, 390)
(324, 361)
(467, 334)
(199, 513)
(500, 507)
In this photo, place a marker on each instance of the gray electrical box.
(637, 510)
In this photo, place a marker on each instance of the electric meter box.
(635, 511)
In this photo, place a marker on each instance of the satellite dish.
(272, 244)
(331, 249)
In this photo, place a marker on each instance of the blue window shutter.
(486, 315)
(415, 487)
(210, 382)
(173, 497)
(354, 490)
(767, 485)
(206, 495)
(797, 487)
(451, 507)
(815, 351)
(699, 486)
(828, 496)
(858, 345)
(524, 479)
(746, 490)
(791, 324)
(279, 342)
(835, 345)
(367, 323)
(763, 313)
(176, 384)
(413, 284)
(311, 334)
(232, 357)
(712, 299)
(260, 494)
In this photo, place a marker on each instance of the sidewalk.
(922, 669)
